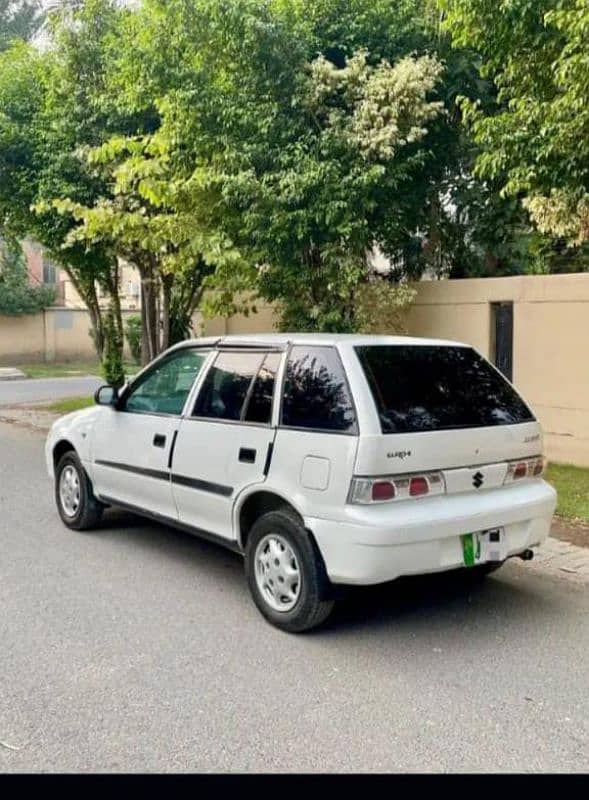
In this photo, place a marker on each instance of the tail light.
(526, 468)
(395, 487)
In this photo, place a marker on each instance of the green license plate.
(471, 549)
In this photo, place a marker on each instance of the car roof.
(329, 339)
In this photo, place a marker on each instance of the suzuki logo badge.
(478, 480)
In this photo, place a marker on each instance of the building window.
(49, 272)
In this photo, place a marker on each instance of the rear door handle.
(159, 440)
(247, 455)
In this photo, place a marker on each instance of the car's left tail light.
(388, 489)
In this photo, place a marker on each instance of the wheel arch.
(60, 448)
(252, 506)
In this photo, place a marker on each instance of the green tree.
(133, 329)
(250, 161)
(112, 362)
(140, 222)
(19, 19)
(289, 163)
(17, 296)
(48, 114)
(535, 137)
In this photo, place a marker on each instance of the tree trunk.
(87, 291)
(115, 303)
(149, 318)
(97, 328)
(167, 282)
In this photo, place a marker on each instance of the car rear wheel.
(285, 573)
(78, 507)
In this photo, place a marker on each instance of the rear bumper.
(374, 544)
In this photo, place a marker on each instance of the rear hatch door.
(443, 407)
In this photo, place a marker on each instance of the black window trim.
(121, 402)
(252, 386)
(253, 347)
(250, 391)
(356, 427)
(218, 349)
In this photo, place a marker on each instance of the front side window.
(164, 389)
(226, 387)
(430, 388)
(316, 393)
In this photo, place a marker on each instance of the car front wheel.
(78, 507)
(285, 573)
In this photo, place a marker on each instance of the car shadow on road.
(172, 543)
(452, 600)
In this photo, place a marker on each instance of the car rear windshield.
(431, 388)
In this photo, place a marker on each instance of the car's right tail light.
(525, 468)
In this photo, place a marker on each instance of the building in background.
(43, 271)
(129, 290)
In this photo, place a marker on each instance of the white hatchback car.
(323, 459)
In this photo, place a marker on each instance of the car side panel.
(313, 469)
(77, 429)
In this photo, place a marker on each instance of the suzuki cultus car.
(324, 460)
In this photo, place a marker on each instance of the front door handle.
(159, 440)
(247, 455)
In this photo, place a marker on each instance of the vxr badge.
(478, 479)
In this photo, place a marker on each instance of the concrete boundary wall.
(550, 344)
(550, 341)
(56, 334)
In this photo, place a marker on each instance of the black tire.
(314, 603)
(89, 511)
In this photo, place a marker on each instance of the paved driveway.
(137, 648)
(40, 389)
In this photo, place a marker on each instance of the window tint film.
(164, 389)
(427, 388)
(316, 393)
(226, 386)
(259, 407)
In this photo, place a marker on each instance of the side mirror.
(106, 396)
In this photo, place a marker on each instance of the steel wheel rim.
(277, 572)
(69, 490)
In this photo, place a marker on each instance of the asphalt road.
(40, 389)
(137, 648)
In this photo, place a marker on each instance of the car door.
(132, 443)
(223, 446)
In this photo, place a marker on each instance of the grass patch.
(70, 404)
(73, 369)
(572, 485)
(61, 370)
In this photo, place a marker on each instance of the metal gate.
(503, 317)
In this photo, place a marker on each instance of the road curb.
(11, 374)
(28, 418)
(562, 559)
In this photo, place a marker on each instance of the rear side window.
(316, 393)
(429, 388)
(226, 387)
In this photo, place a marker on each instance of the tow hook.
(527, 555)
